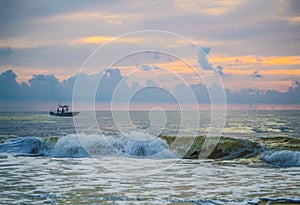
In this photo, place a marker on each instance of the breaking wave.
(143, 145)
(83, 145)
(283, 158)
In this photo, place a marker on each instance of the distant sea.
(61, 160)
(46, 106)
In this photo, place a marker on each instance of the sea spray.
(25, 146)
(68, 146)
(282, 158)
(89, 145)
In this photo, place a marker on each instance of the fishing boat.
(63, 111)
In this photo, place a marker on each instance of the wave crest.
(143, 145)
(89, 145)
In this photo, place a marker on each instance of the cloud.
(205, 64)
(9, 88)
(217, 7)
(150, 67)
(4, 51)
(145, 67)
(152, 92)
(47, 88)
(259, 60)
(150, 83)
(206, 50)
(156, 55)
(294, 6)
(153, 55)
(248, 28)
(50, 57)
(219, 71)
(98, 40)
(157, 67)
(28, 43)
(43, 24)
(8, 78)
(257, 75)
(22, 16)
(202, 58)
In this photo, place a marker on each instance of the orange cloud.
(258, 84)
(87, 16)
(272, 60)
(208, 7)
(106, 39)
(288, 60)
(180, 67)
(264, 72)
(20, 43)
(295, 20)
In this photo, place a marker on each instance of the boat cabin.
(63, 110)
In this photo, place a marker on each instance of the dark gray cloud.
(51, 56)
(242, 31)
(145, 67)
(250, 95)
(203, 60)
(150, 67)
(152, 93)
(108, 84)
(205, 63)
(47, 88)
(8, 78)
(294, 7)
(9, 88)
(5, 51)
(219, 71)
(205, 50)
(157, 67)
(17, 17)
(200, 91)
(257, 75)
(150, 83)
(153, 54)
(252, 27)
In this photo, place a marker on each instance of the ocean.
(92, 159)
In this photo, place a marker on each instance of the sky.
(241, 44)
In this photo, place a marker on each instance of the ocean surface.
(153, 159)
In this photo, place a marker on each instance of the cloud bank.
(47, 88)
